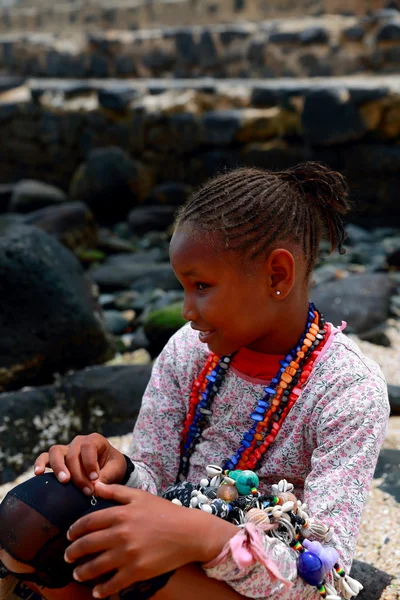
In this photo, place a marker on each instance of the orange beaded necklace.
(270, 411)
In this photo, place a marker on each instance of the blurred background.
(111, 113)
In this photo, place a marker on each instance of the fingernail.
(76, 576)
(93, 476)
(96, 594)
(37, 469)
(62, 476)
(87, 491)
(66, 558)
(69, 535)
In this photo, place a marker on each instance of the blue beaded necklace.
(216, 378)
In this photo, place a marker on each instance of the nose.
(189, 312)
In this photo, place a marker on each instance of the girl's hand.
(143, 538)
(86, 459)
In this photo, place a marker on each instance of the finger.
(76, 468)
(98, 566)
(89, 460)
(117, 493)
(102, 519)
(92, 543)
(41, 463)
(121, 580)
(57, 456)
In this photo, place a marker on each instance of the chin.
(221, 349)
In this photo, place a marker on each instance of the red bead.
(270, 438)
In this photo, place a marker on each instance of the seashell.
(288, 506)
(195, 493)
(329, 535)
(206, 508)
(286, 517)
(258, 517)
(331, 592)
(213, 470)
(204, 482)
(194, 502)
(282, 486)
(202, 499)
(277, 512)
(215, 481)
(229, 480)
(318, 529)
(287, 497)
(176, 501)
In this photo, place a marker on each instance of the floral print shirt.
(327, 447)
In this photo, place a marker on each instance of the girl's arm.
(348, 425)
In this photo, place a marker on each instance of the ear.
(282, 270)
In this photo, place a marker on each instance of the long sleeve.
(347, 428)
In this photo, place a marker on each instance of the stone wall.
(46, 15)
(183, 131)
(306, 47)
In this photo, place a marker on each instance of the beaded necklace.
(270, 411)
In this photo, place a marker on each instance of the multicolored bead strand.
(271, 410)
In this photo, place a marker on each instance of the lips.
(204, 334)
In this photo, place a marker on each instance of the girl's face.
(229, 304)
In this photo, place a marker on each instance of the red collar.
(256, 364)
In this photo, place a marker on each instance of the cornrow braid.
(255, 208)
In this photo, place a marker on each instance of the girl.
(243, 248)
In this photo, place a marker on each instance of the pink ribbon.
(246, 548)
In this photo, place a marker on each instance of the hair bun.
(321, 185)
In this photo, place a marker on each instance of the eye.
(200, 286)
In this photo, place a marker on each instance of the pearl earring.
(278, 293)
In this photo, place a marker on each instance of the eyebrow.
(189, 272)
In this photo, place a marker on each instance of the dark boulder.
(124, 271)
(362, 301)
(171, 193)
(29, 195)
(110, 183)
(48, 318)
(374, 580)
(151, 218)
(104, 399)
(72, 223)
(330, 117)
(161, 324)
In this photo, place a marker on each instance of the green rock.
(161, 324)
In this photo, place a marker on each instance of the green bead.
(245, 481)
(235, 474)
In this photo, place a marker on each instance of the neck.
(290, 324)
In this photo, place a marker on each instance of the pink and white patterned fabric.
(327, 447)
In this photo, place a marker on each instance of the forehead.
(194, 248)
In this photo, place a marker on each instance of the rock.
(220, 127)
(207, 51)
(72, 223)
(48, 318)
(389, 32)
(29, 195)
(112, 244)
(171, 193)
(314, 35)
(377, 336)
(151, 218)
(330, 117)
(120, 274)
(161, 324)
(361, 300)
(104, 399)
(6, 191)
(110, 183)
(115, 321)
(185, 46)
(357, 235)
(394, 398)
(285, 37)
(388, 470)
(126, 300)
(117, 99)
(354, 33)
(393, 260)
(374, 580)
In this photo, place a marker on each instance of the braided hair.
(255, 208)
